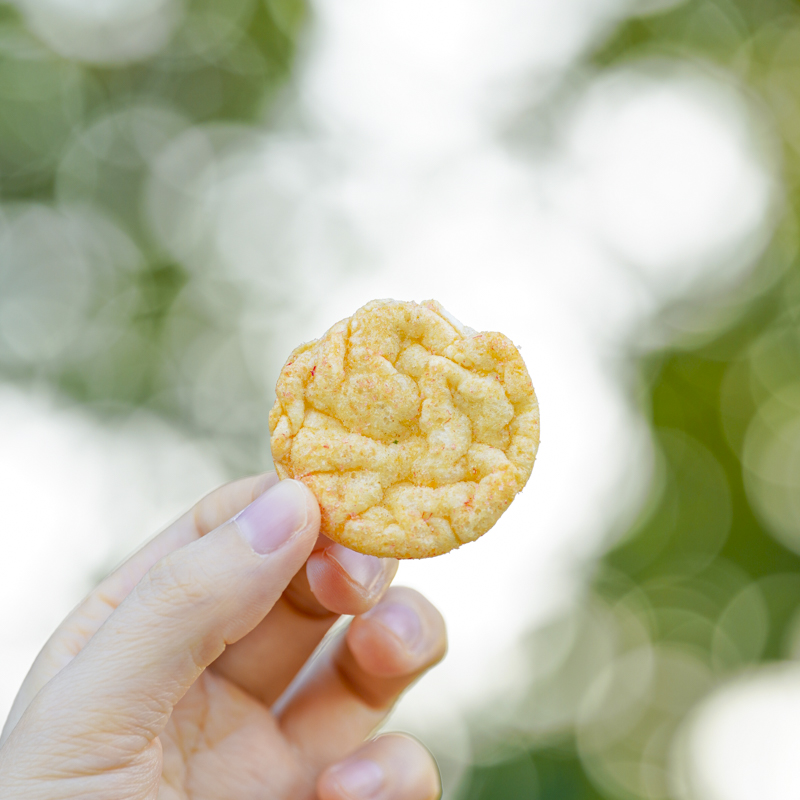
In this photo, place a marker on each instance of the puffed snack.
(413, 431)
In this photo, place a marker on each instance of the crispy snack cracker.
(413, 431)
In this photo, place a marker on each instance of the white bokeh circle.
(742, 741)
(670, 174)
(103, 31)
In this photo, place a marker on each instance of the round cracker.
(413, 431)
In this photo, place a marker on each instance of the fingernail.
(360, 779)
(271, 519)
(401, 620)
(366, 571)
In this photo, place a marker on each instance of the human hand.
(172, 678)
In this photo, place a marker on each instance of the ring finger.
(350, 689)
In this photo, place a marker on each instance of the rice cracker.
(413, 431)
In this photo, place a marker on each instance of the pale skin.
(177, 677)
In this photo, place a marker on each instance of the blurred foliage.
(119, 322)
(707, 581)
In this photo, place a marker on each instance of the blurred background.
(189, 188)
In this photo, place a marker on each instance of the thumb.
(180, 617)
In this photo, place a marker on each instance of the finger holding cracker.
(414, 432)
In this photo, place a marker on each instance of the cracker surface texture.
(413, 431)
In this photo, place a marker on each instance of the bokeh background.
(189, 188)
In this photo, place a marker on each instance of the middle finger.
(350, 689)
(335, 581)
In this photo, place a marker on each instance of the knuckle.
(175, 581)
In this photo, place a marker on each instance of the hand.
(178, 676)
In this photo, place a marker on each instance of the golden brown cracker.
(413, 431)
